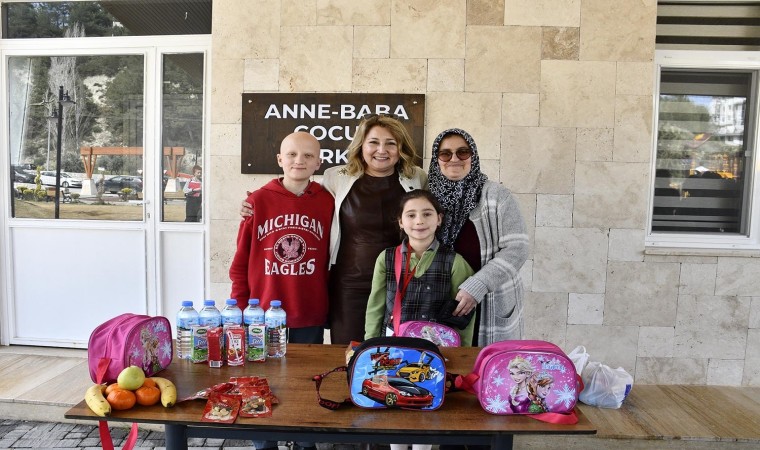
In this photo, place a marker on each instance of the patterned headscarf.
(457, 198)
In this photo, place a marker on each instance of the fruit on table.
(95, 400)
(131, 378)
(168, 391)
(121, 399)
(110, 388)
(147, 395)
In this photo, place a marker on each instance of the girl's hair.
(407, 153)
(540, 379)
(418, 193)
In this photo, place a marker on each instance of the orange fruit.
(148, 395)
(149, 382)
(120, 399)
(112, 387)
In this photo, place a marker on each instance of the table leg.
(176, 437)
(502, 442)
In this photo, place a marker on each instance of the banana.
(95, 400)
(168, 391)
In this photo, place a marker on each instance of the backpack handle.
(106, 441)
(323, 402)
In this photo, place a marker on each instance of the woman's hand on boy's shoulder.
(246, 209)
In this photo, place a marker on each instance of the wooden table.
(298, 417)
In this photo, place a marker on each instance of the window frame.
(710, 60)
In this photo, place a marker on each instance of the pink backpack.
(525, 377)
(129, 339)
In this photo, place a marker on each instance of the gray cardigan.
(504, 248)
(338, 182)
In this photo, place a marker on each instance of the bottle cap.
(253, 301)
(209, 303)
(187, 303)
(231, 301)
(275, 303)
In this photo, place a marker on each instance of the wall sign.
(331, 118)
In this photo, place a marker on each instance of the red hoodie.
(283, 252)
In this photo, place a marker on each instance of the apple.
(131, 378)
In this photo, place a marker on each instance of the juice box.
(215, 338)
(256, 348)
(234, 341)
(199, 352)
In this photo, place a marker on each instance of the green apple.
(131, 378)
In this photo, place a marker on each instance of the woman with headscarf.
(483, 223)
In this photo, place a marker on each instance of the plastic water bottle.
(255, 329)
(231, 314)
(209, 315)
(186, 318)
(277, 330)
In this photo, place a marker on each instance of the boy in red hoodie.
(283, 248)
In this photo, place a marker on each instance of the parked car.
(23, 177)
(395, 391)
(119, 182)
(47, 177)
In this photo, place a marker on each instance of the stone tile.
(485, 12)
(372, 41)
(225, 139)
(350, 12)
(445, 75)
(585, 309)
(751, 376)
(682, 259)
(554, 210)
(656, 342)
(520, 110)
(671, 371)
(613, 346)
(220, 289)
(626, 245)
(226, 86)
(512, 66)
(633, 128)
(738, 276)
(754, 313)
(725, 372)
(711, 327)
(698, 279)
(428, 29)
(570, 260)
(577, 94)
(298, 13)
(222, 241)
(316, 59)
(477, 113)
(623, 30)
(261, 75)
(490, 167)
(235, 38)
(541, 159)
(634, 78)
(562, 13)
(390, 75)
(594, 144)
(20, 374)
(560, 43)
(611, 195)
(546, 316)
(640, 293)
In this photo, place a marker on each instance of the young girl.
(538, 388)
(430, 274)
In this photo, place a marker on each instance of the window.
(705, 144)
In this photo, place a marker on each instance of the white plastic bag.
(605, 387)
(579, 357)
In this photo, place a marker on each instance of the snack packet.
(221, 388)
(256, 402)
(221, 408)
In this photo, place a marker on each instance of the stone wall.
(558, 96)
